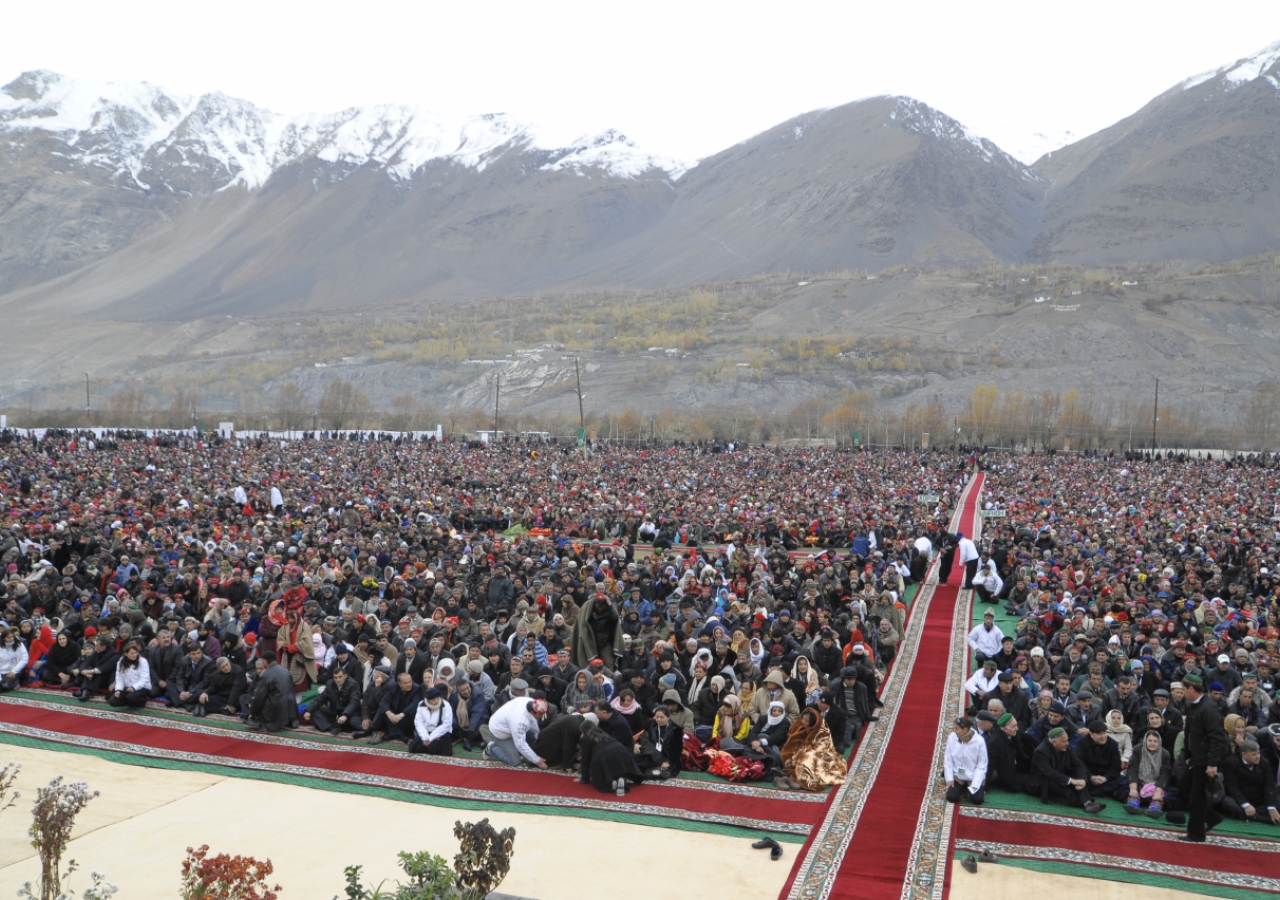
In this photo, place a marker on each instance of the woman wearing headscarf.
(38, 654)
(768, 736)
(606, 764)
(625, 705)
(732, 724)
(1121, 733)
(809, 759)
(1149, 776)
(1234, 725)
(60, 660)
(706, 705)
(581, 693)
(804, 681)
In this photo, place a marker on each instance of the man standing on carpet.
(968, 557)
(965, 764)
(1207, 748)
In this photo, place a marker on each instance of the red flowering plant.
(225, 877)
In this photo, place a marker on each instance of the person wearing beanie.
(1008, 756)
(1058, 773)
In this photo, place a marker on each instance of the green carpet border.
(423, 799)
(1124, 876)
(997, 799)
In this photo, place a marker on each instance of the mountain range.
(125, 203)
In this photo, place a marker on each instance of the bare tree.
(291, 401)
(341, 403)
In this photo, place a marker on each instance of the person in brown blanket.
(809, 759)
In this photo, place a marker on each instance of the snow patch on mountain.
(1036, 145)
(136, 130)
(1241, 71)
(614, 153)
(924, 119)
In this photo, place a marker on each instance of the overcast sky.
(684, 79)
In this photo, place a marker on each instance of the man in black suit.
(1207, 748)
(191, 679)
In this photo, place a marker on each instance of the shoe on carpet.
(987, 856)
(199, 711)
(1093, 806)
(1174, 817)
(1190, 840)
(1155, 812)
(764, 842)
(775, 853)
(1133, 807)
(620, 787)
(970, 864)
(782, 783)
(484, 751)
(466, 744)
(376, 739)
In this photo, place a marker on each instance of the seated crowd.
(443, 596)
(1142, 666)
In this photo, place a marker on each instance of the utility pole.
(1155, 416)
(577, 377)
(86, 391)
(497, 394)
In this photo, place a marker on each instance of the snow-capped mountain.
(1263, 64)
(149, 138)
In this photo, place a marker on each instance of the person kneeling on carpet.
(512, 727)
(274, 704)
(432, 725)
(1056, 771)
(1149, 776)
(965, 764)
(606, 764)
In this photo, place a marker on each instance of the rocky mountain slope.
(152, 238)
(1193, 174)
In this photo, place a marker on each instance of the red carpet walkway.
(676, 803)
(881, 831)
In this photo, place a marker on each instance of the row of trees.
(989, 416)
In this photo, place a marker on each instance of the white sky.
(680, 78)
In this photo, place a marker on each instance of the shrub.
(53, 817)
(225, 877)
(484, 858)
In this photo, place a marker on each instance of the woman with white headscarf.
(768, 736)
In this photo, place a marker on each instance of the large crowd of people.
(629, 614)
(1141, 668)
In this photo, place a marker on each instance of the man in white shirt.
(985, 639)
(988, 584)
(967, 555)
(513, 727)
(982, 682)
(965, 764)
